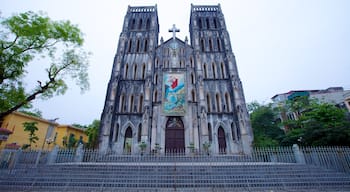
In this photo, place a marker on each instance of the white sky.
(280, 45)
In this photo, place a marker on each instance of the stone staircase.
(173, 176)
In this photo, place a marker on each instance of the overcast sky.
(280, 45)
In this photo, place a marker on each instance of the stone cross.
(174, 30)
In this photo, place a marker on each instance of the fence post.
(79, 153)
(298, 154)
(53, 155)
(37, 160)
(15, 158)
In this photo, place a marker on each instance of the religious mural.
(174, 94)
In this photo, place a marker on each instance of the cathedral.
(175, 95)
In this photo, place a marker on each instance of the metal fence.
(337, 158)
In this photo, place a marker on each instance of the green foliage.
(28, 35)
(31, 128)
(92, 132)
(266, 130)
(319, 124)
(72, 141)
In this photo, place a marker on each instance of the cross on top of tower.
(174, 30)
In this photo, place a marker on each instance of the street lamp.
(49, 141)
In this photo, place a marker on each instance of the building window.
(130, 45)
(218, 103)
(223, 71)
(210, 133)
(200, 23)
(228, 102)
(131, 103)
(155, 96)
(219, 44)
(132, 26)
(148, 24)
(140, 24)
(202, 45)
(208, 103)
(135, 71)
(141, 104)
(210, 45)
(146, 46)
(138, 46)
(214, 70)
(143, 71)
(122, 103)
(139, 133)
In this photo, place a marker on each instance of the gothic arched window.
(210, 133)
(214, 70)
(135, 71)
(139, 134)
(130, 44)
(116, 132)
(192, 78)
(200, 23)
(193, 94)
(202, 45)
(223, 71)
(155, 95)
(148, 24)
(140, 24)
(218, 102)
(155, 79)
(141, 104)
(131, 103)
(122, 103)
(132, 26)
(126, 71)
(205, 70)
(228, 102)
(207, 22)
(138, 46)
(208, 103)
(145, 49)
(218, 44)
(210, 45)
(143, 71)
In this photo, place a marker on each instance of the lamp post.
(48, 142)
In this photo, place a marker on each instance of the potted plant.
(206, 146)
(157, 148)
(192, 148)
(142, 146)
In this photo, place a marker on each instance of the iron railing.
(336, 158)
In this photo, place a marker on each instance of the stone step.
(109, 176)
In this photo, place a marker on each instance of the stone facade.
(177, 95)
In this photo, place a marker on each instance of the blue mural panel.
(174, 94)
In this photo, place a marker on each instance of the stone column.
(298, 154)
(53, 155)
(79, 154)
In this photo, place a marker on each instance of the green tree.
(266, 131)
(92, 132)
(31, 128)
(319, 124)
(29, 35)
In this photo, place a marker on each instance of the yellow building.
(49, 132)
(65, 133)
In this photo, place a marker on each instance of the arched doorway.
(128, 140)
(174, 135)
(221, 140)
